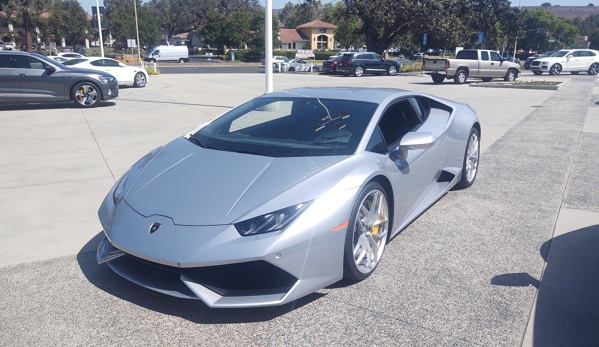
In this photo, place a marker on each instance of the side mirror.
(412, 141)
(49, 68)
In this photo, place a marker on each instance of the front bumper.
(110, 90)
(217, 265)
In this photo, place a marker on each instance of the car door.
(484, 66)
(112, 67)
(587, 58)
(38, 81)
(498, 66)
(9, 81)
(413, 171)
(378, 64)
(571, 61)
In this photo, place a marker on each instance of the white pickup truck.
(471, 63)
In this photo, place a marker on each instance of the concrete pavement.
(511, 261)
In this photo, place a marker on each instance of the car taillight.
(334, 63)
(447, 63)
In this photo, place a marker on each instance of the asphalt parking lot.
(512, 261)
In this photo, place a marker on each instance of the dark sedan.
(31, 78)
(361, 63)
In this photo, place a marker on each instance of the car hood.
(197, 186)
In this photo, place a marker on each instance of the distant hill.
(570, 12)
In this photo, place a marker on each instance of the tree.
(23, 13)
(257, 28)
(223, 31)
(349, 26)
(302, 13)
(542, 26)
(546, 4)
(120, 19)
(69, 20)
(173, 14)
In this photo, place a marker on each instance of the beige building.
(316, 35)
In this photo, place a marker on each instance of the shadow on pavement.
(49, 106)
(567, 306)
(195, 311)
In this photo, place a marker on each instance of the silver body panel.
(196, 195)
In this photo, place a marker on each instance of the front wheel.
(537, 72)
(139, 80)
(555, 69)
(461, 76)
(86, 95)
(471, 156)
(181, 60)
(392, 70)
(291, 69)
(593, 69)
(367, 232)
(510, 76)
(358, 71)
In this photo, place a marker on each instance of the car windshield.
(560, 54)
(74, 61)
(289, 127)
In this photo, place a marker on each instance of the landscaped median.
(546, 85)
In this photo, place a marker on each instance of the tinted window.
(377, 57)
(484, 55)
(5, 60)
(109, 62)
(470, 55)
(364, 57)
(26, 62)
(495, 56)
(289, 127)
(73, 62)
(398, 119)
(376, 143)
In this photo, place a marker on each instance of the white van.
(168, 53)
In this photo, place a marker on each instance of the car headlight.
(105, 79)
(126, 181)
(271, 222)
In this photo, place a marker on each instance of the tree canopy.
(120, 19)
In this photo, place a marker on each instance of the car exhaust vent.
(241, 279)
(446, 177)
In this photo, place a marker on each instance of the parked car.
(301, 65)
(125, 75)
(330, 65)
(471, 63)
(536, 56)
(276, 59)
(71, 55)
(285, 194)
(168, 53)
(7, 46)
(59, 58)
(32, 77)
(64, 49)
(361, 63)
(568, 60)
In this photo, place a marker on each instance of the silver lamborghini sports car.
(285, 194)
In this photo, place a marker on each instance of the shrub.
(150, 71)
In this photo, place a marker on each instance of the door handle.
(492, 63)
(23, 74)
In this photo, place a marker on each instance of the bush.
(95, 52)
(150, 71)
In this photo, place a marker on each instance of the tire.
(181, 60)
(510, 76)
(593, 69)
(555, 69)
(471, 156)
(152, 60)
(574, 72)
(537, 72)
(367, 232)
(140, 80)
(487, 79)
(461, 76)
(86, 94)
(358, 71)
(291, 69)
(392, 70)
(438, 79)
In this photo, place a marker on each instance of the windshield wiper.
(196, 140)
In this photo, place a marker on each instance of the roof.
(318, 24)
(292, 35)
(376, 95)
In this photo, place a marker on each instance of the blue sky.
(87, 4)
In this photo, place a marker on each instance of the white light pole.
(516, 43)
(268, 70)
(137, 31)
(100, 28)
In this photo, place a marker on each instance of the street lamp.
(268, 70)
(516, 43)
(100, 28)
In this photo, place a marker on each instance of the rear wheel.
(438, 79)
(86, 94)
(367, 232)
(358, 71)
(555, 69)
(593, 69)
(510, 76)
(461, 76)
(471, 155)
(392, 70)
(291, 69)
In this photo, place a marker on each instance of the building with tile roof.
(315, 35)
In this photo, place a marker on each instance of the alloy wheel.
(370, 231)
(472, 153)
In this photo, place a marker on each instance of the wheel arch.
(386, 184)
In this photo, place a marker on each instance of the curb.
(518, 85)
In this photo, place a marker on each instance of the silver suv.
(31, 77)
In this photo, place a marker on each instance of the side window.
(97, 62)
(398, 119)
(495, 56)
(5, 61)
(25, 62)
(361, 57)
(377, 57)
(484, 56)
(111, 62)
(591, 54)
(376, 143)
(156, 52)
